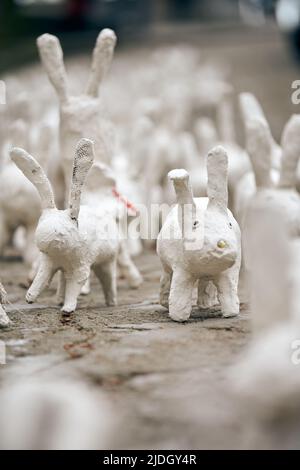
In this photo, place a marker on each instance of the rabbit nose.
(221, 244)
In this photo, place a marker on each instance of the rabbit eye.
(230, 224)
(195, 224)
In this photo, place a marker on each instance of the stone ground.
(169, 383)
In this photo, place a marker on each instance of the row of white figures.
(80, 117)
(19, 202)
(82, 419)
(73, 240)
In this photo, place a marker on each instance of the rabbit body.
(75, 249)
(81, 116)
(73, 240)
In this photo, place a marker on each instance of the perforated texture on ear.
(83, 160)
(217, 175)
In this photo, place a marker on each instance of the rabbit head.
(209, 230)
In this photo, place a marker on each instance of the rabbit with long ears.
(4, 320)
(73, 240)
(80, 116)
(283, 194)
(266, 379)
(200, 241)
(255, 122)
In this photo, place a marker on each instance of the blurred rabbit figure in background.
(252, 112)
(54, 415)
(267, 377)
(80, 116)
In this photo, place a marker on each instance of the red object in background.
(77, 8)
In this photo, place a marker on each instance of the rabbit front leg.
(61, 288)
(42, 279)
(227, 286)
(106, 273)
(127, 267)
(180, 300)
(31, 253)
(165, 286)
(72, 290)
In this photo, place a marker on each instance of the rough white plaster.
(205, 245)
(73, 240)
(80, 116)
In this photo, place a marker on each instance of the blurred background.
(175, 61)
(147, 20)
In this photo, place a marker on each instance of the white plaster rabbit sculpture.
(282, 195)
(4, 320)
(200, 241)
(73, 240)
(252, 112)
(266, 378)
(80, 116)
(100, 192)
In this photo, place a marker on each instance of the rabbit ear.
(52, 58)
(182, 186)
(36, 175)
(291, 152)
(217, 176)
(225, 116)
(102, 58)
(266, 240)
(259, 148)
(250, 108)
(83, 160)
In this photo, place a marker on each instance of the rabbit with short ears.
(73, 240)
(200, 241)
(80, 116)
(4, 320)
